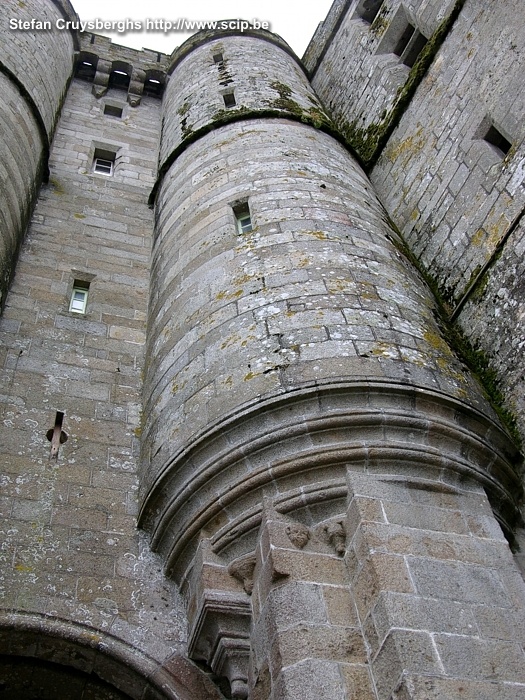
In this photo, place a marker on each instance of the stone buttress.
(317, 463)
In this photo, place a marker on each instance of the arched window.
(86, 66)
(120, 76)
(154, 83)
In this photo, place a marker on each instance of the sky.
(295, 21)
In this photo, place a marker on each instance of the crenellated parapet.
(111, 67)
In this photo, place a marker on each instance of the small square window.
(229, 99)
(103, 166)
(104, 161)
(79, 297)
(112, 111)
(218, 58)
(497, 140)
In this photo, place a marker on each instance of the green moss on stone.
(475, 359)
(380, 23)
(368, 142)
(57, 186)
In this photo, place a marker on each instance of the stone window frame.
(243, 216)
(80, 282)
(367, 10)
(86, 66)
(111, 107)
(229, 99)
(120, 75)
(105, 151)
(495, 136)
(154, 83)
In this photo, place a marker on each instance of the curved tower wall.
(194, 100)
(312, 448)
(265, 347)
(35, 67)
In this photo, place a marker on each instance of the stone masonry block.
(310, 680)
(380, 572)
(403, 651)
(413, 687)
(479, 659)
(332, 643)
(458, 582)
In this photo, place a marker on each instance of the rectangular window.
(243, 217)
(218, 58)
(415, 47)
(112, 111)
(79, 297)
(103, 166)
(404, 39)
(104, 162)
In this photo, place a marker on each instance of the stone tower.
(215, 332)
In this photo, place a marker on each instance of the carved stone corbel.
(219, 616)
(336, 534)
(242, 569)
(298, 534)
(136, 87)
(101, 79)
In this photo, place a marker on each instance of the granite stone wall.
(449, 167)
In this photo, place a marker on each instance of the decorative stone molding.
(408, 431)
(221, 637)
(219, 616)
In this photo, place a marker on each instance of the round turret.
(35, 67)
(289, 339)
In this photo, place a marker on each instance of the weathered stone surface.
(454, 190)
(278, 406)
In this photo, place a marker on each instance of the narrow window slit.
(404, 39)
(56, 435)
(417, 45)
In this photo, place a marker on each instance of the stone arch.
(86, 66)
(154, 83)
(120, 75)
(39, 655)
